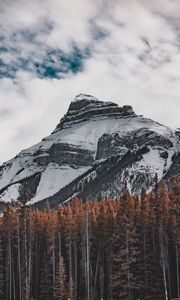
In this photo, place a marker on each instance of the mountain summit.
(86, 107)
(96, 147)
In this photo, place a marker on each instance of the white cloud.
(136, 61)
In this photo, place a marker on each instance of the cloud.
(124, 51)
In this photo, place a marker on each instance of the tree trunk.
(177, 271)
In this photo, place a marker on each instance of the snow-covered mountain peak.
(86, 107)
(81, 97)
(96, 146)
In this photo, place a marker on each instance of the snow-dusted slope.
(90, 133)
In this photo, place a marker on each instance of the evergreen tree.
(2, 283)
(61, 290)
(121, 248)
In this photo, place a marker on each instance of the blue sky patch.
(54, 63)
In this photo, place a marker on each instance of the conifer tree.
(45, 281)
(2, 283)
(8, 213)
(61, 290)
(123, 248)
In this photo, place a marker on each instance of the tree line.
(127, 247)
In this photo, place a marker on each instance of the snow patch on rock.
(11, 193)
(54, 178)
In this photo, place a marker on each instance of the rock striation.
(86, 107)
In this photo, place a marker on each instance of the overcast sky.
(52, 50)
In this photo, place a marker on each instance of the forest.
(127, 247)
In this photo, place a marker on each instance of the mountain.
(96, 147)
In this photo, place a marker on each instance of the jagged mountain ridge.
(95, 148)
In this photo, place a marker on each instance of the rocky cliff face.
(96, 147)
(86, 107)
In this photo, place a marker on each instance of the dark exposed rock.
(63, 153)
(175, 167)
(28, 187)
(178, 133)
(114, 144)
(164, 154)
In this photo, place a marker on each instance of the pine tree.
(70, 290)
(45, 281)
(2, 283)
(69, 234)
(8, 217)
(175, 231)
(121, 248)
(26, 252)
(61, 289)
(124, 250)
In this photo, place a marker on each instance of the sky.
(51, 50)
